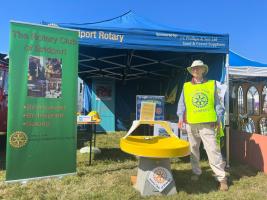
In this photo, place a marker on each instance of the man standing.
(199, 107)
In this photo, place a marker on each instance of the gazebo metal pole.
(227, 127)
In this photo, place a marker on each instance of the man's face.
(198, 71)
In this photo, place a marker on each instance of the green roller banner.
(41, 135)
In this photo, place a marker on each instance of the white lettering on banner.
(101, 35)
(87, 34)
(110, 36)
(194, 40)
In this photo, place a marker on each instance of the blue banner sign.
(156, 40)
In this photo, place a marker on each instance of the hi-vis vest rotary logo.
(18, 139)
(200, 100)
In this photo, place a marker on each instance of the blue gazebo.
(129, 55)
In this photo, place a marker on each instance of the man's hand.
(180, 124)
(218, 126)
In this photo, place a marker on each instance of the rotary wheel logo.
(200, 100)
(160, 176)
(158, 111)
(18, 139)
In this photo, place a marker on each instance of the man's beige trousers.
(206, 133)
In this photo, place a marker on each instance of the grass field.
(109, 178)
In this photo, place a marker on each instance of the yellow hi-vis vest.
(199, 102)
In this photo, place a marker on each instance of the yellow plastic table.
(154, 146)
(155, 153)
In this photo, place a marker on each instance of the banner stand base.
(24, 181)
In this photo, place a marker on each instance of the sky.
(244, 20)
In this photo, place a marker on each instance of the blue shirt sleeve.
(218, 106)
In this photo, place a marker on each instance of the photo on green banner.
(44, 77)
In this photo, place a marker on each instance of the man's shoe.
(223, 186)
(194, 177)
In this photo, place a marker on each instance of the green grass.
(109, 178)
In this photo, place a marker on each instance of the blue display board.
(159, 100)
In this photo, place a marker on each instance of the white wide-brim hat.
(198, 63)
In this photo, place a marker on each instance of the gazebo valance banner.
(41, 136)
(130, 31)
(159, 40)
